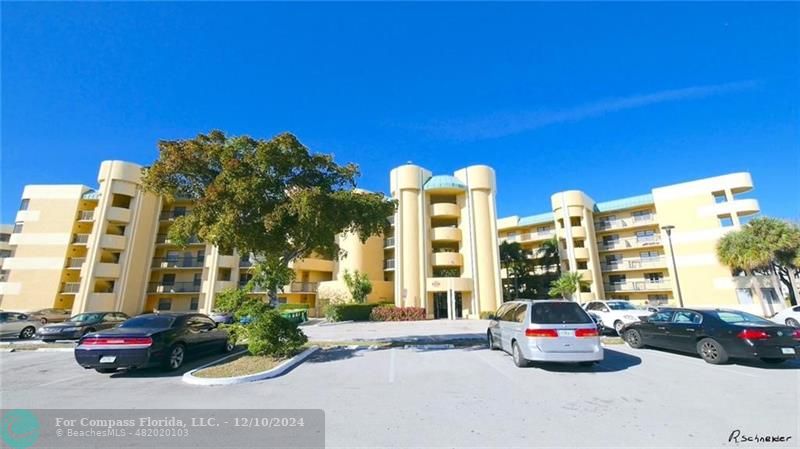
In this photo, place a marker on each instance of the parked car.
(51, 315)
(80, 325)
(14, 324)
(222, 317)
(716, 335)
(159, 339)
(550, 331)
(616, 313)
(789, 316)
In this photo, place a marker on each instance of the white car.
(789, 317)
(616, 313)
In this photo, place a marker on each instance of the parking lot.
(459, 397)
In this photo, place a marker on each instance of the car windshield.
(151, 321)
(559, 313)
(621, 305)
(86, 317)
(736, 317)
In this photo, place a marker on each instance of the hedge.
(391, 313)
(349, 312)
(293, 305)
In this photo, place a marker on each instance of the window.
(24, 204)
(613, 259)
(17, 227)
(595, 306)
(616, 279)
(198, 279)
(575, 221)
(654, 278)
(201, 256)
(542, 230)
(168, 279)
(649, 255)
(194, 303)
(578, 243)
(686, 317)
(642, 215)
(661, 317)
(519, 313)
(736, 317)
(179, 211)
(559, 313)
(584, 288)
(164, 303)
(719, 197)
(5, 253)
(725, 221)
(224, 274)
(509, 314)
(744, 295)
(5, 237)
(770, 295)
(582, 265)
(120, 200)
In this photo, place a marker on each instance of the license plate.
(108, 359)
(788, 350)
(566, 333)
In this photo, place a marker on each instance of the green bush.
(273, 335)
(349, 312)
(237, 333)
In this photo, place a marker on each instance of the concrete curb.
(37, 349)
(190, 378)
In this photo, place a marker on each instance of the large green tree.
(566, 285)
(270, 197)
(517, 265)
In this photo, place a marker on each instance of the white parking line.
(391, 365)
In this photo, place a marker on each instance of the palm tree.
(740, 250)
(515, 262)
(566, 285)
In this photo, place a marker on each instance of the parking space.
(459, 397)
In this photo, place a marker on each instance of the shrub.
(349, 312)
(391, 313)
(359, 285)
(237, 333)
(272, 335)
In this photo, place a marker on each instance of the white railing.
(638, 286)
(634, 242)
(620, 223)
(634, 264)
(529, 236)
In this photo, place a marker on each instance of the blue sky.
(612, 99)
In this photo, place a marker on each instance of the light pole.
(668, 229)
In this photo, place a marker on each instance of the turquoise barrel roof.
(444, 182)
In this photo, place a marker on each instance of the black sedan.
(715, 334)
(160, 339)
(80, 325)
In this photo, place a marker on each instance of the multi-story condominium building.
(107, 248)
(622, 247)
(6, 250)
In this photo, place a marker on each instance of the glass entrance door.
(440, 305)
(458, 313)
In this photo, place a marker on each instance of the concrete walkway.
(430, 331)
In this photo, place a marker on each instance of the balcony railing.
(164, 238)
(638, 286)
(177, 287)
(635, 264)
(304, 287)
(388, 242)
(388, 264)
(80, 238)
(621, 223)
(75, 262)
(70, 287)
(529, 236)
(636, 242)
(179, 262)
(171, 214)
(86, 215)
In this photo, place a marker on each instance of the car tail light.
(752, 334)
(122, 341)
(586, 333)
(796, 335)
(545, 333)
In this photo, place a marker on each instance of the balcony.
(245, 263)
(640, 286)
(445, 210)
(163, 239)
(75, 262)
(303, 287)
(635, 264)
(119, 214)
(171, 214)
(530, 236)
(625, 223)
(446, 259)
(80, 239)
(178, 262)
(446, 234)
(86, 215)
(388, 264)
(388, 242)
(112, 241)
(177, 287)
(70, 287)
(635, 242)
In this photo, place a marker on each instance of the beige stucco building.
(106, 248)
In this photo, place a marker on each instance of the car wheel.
(490, 341)
(229, 345)
(43, 321)
(516, 353)
(175, 357)
(27, 333)
(792, 322)
(711, 351)
(618, 326)
(633, 338)
(106, 370)
(773, 361)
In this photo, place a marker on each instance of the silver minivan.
(547, 331)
